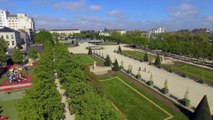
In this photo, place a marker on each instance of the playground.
(16, 77)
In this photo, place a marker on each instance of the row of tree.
(42, 101)
(195, 45)
(83, 98)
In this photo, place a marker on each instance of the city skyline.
(141, 15)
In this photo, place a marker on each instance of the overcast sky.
(119, 14)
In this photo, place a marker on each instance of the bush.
(17, 56)
(145, 58)
(33, 54)
(138, 76)
(116, 66)
(119, 49)
(150, 83)
(157, 61)
(165, 90)
(90, 51)
(185, 101)
(107, 61)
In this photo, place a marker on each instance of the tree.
(43, 36)
(116, 66)
(165, 89)
(145, 58)
(90, 51)
(107, 61)
(157, 61)
(119, 49)
(3, 56)
(33, 54)
(185, 100)
(150, 82)
(3, 44)
(17, 56)
(202, 112)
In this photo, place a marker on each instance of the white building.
(107, 32)
(65, 31)
(3, 18)
(156, 30)
(18, 21)
(12, 37)
(21, 21)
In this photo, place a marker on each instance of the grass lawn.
(83, 59)
(134, 106)
(138, 55)
(8, 102)
(122, 104)
(70, 45)
(191, 71)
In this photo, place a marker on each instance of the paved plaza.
(177, 85)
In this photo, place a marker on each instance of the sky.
(115, 14)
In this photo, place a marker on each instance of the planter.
(165, 90)
(150, 83)
(185, 102)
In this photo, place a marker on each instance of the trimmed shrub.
(116, 66)
(157, 61)
(165, 90)
(119, 49)
(145, 58)
(107, 61)
(90, 51)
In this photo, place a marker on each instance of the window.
(13, 43)
(8, 43)
(11, 36)
(7, 37)
(2, 36)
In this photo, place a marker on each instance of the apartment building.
(3, 18)
(156, 30)
(18, 21)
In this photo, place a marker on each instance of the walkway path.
(67, 114)
(177, 84)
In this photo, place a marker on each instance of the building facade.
(3, 18)
(156, 30)
(12, 37)
(18, 21)
(65, 31)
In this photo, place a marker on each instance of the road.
(177, 85)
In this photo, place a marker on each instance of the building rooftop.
(6, 29)
(12, 15)
(63, 29)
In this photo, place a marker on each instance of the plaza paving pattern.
(177, 85)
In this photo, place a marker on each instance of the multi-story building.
(3, 18)
(107, 32)
(12, 37)
(156, 30)
(65, 31)
(22, 22)
(18, 21)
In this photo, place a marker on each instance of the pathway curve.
(177, 85)
(67, 114)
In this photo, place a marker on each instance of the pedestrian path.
(67, 114)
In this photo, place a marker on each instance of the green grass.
(3, 77)
(191, 71)
(134, 106)
(70, 45)
(8, 102)
(138, 55)
(83, 59)
(176, 115)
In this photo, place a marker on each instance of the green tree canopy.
(43, 36)
(33, 54)
(17, 56)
